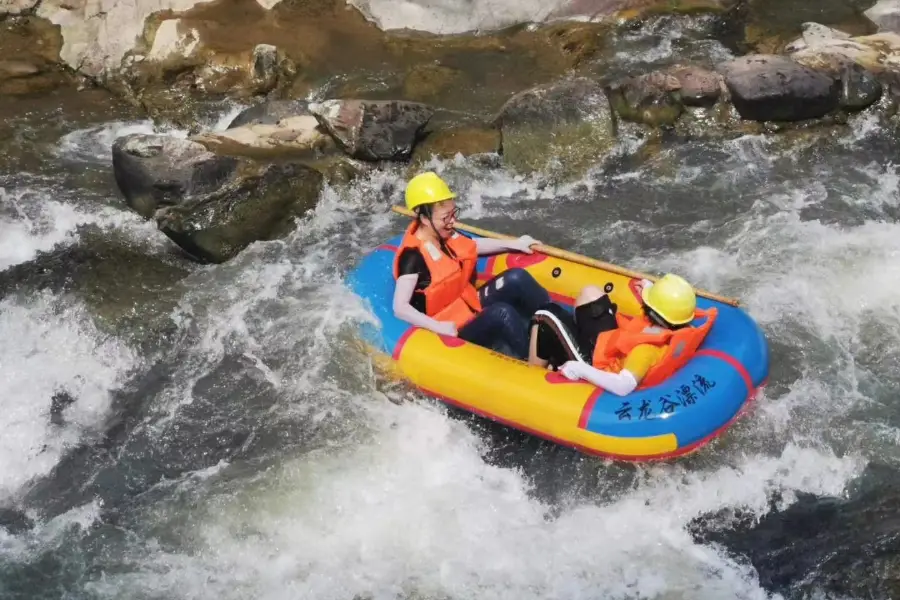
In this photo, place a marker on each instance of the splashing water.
(56, 349)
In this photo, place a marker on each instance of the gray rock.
(260, 203)
(157, 170)
(374, 130)
(767, 87)
(699, 86)
(859, 87)
(269, 113)
(570, 100)
(265, 66)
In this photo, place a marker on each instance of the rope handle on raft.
(572, 257)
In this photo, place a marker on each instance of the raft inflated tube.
(676, 417)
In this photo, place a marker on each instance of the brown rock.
(699, 86)
(465, 140)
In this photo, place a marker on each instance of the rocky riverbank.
(335, 96)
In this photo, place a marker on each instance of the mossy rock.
(563, 153)
(653, 99)
(260, 203)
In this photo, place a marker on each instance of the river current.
(227, 439)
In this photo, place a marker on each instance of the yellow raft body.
(676, 417)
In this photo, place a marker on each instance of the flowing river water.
(227, 439)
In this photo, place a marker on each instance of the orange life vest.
(681, 344)
(451, 295)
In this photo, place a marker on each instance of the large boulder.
(98, 33)
(157, 170)
(374, 130)
(828, 49)
(570, 120)
(774, 88)
(879, 53)
(261, 202)
(842, 57)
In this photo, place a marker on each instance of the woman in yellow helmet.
(616, 353)
(435, 273)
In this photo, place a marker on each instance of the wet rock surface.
(698, 86)
(30, 51)
(885, 14)
(775, 88)
(848, 547)
(570, 118)
(259, 203)
(859, 87)
(153, 171)
(374, 130)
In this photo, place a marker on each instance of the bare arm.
(620, 384)
(403, 310)
(493, 246)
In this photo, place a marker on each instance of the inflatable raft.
(671, 419)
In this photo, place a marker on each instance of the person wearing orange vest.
(435, 272)
(615, 352)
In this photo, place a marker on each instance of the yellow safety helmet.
(426, 188)
(672, 298)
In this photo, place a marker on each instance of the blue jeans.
(508, 302)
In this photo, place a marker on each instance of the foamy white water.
(50, 346)
(412, 508)
(33, 220)
(399, 501)
(27, 228)
(93, 144)
(417, 511)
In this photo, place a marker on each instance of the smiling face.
(444, 215)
